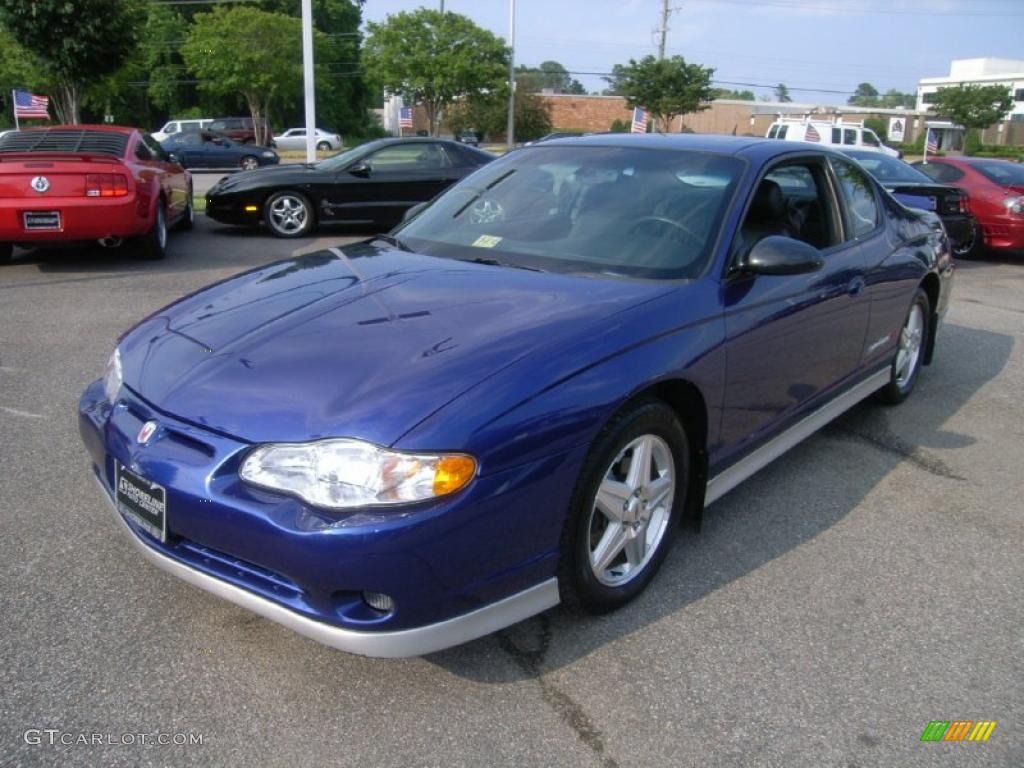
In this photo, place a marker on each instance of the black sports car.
(915, 190)
(374, 183)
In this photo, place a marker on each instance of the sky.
(821, 49)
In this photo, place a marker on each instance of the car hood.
(362, 341)
(269, 174)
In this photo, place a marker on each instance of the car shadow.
(778, 510)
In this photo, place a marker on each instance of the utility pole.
(510, 132)
(307, 79)
(663, 29)
(442, 6)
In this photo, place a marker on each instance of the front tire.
(153, 245)
(913, 341)
(288, 214)
(625, 508)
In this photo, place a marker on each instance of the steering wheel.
(639, 223)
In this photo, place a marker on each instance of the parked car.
(295, 138)
(996, 188)
(242, 129)
(70, 183)
(207, 149)
(911, 187)
(837, 133)
(517, 397)
(374, 183)
(180, 126)
(469, 137)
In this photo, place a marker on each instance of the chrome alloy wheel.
(631, 511)
(911, 338)
(288, 214)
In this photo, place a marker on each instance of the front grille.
(63, 140)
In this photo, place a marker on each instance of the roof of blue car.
(703, 142)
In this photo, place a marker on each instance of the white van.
(838, 133)
(177, 126)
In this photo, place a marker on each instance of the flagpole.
(927, 136)
(14, 106)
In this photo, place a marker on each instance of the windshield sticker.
(486, 241)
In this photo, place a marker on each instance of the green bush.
(879, 126)
(972, 143)
(997, 150)
(620, 126)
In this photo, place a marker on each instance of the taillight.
(105, 185)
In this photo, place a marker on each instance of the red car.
(71, 183)
(996, 190)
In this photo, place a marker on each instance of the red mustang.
(90, 182)
(996, 189)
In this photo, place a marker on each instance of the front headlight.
(345, 473)
(268, 153)
(112, 377)
(1015, 204)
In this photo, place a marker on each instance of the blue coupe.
(518, 396)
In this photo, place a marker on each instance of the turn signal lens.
(452, 473)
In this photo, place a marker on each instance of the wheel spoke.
(611, 498)
(636, 547)
(640, 465)
(609, 547)
(659, 490)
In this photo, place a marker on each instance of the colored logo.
(40, 184)
(146, 432)
(958, 730)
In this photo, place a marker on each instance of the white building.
(1008, 72)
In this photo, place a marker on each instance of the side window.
(859, 195)
(171, 128)
(191, 139)
(837, 136)
(783, 130)
(408, 157)
(871, 139)
(142, 151)
(850, 136)
(792, 200)
(154, 147)
(773, 132)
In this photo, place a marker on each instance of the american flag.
(933, 141)
(639, 121)
(29, 105)
(405, 117)
(812, 134)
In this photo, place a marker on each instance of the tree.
(866, 95)
(76, 42)
(973, 106)
(18, 69)
(247, 51)
(725, 93)
(665, 87)
(161, 57)
(782, 93)
(893, 99)
(433, 58)
(488, 114)
(549, 76)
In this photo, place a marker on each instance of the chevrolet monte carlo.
(519, 395)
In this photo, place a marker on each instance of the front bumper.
(457, 570)
(1004, 232)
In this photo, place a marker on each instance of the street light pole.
(510, 133)
(307, 76)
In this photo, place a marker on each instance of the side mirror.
(778, 255)
(360, 169)
(414, 211)
(172, 157)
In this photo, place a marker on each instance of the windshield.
(1004, 173)
(889, 169)
(584, 209)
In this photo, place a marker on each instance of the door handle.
(856, 286)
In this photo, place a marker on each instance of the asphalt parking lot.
(867, 583)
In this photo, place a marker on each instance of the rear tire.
(971, 247)
(248, 163)
(153, 245)
(6, 253)
(626, 508)
(912, 342)
(323, 146)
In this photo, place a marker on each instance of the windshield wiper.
(392, 240)
(496, 263)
